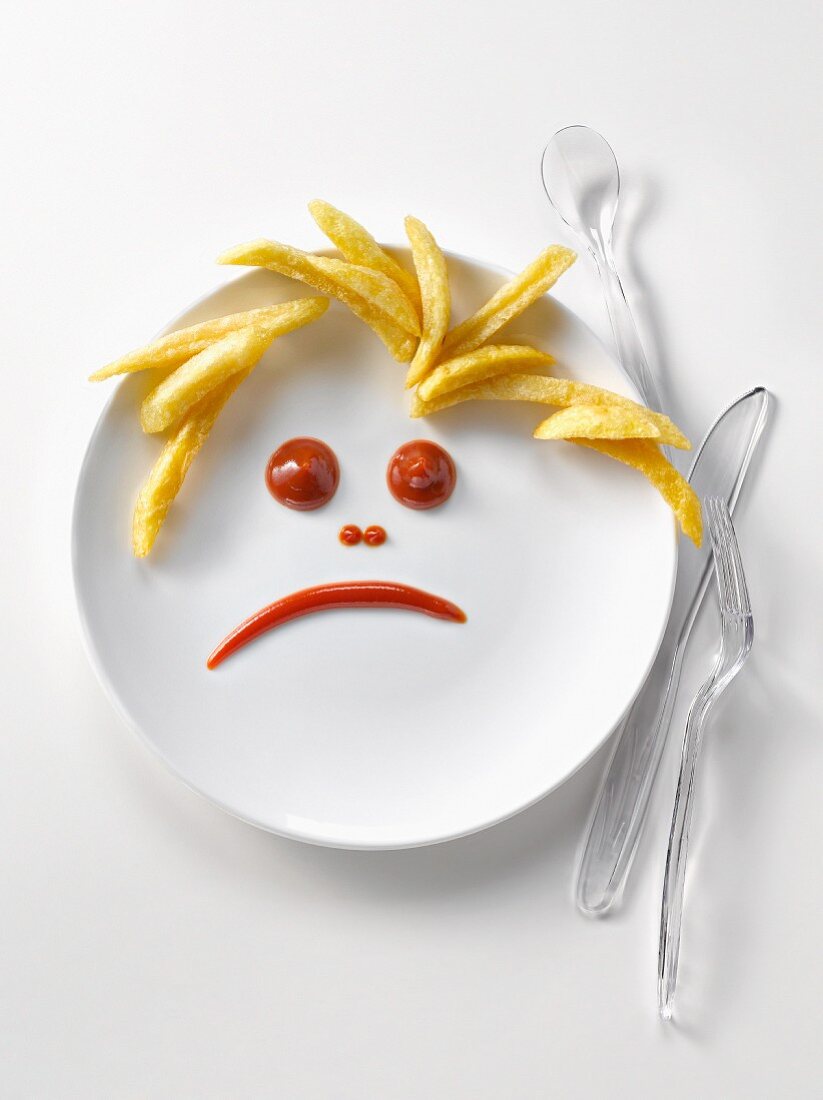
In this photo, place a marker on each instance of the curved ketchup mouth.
(326, 597)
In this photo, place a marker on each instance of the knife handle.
(620, 809)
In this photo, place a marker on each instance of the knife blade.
(719, 469)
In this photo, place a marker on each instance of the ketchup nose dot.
(350, 535)
(374, 536)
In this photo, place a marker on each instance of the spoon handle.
(629, 348)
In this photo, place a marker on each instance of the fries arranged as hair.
(598, 422)
(211, 360)
(177, 347)
(358, 246)
(176, 394)
(646, 457)
(479, 365)
(546, 391)
(430, 265)
(411, 315)
(605, 421)
(509, 301)
(169, 471)
(338, 279)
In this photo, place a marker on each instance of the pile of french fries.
(204, 366)
(411, 314)
(451, 365)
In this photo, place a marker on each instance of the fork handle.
(672, 910)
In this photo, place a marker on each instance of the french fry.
(546, 390)
(177, 347)
(169, 472)
(358, 246)
(175, 395)
(378, 290)
(479, 365)
(597, 422)
(509, 301)
(430, 264)
(295, 264)
(675, 490)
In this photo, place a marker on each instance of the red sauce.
(421, 474)
(303, 474)
(351, 534)
(325, 597)
(374, 535)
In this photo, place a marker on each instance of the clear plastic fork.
(736, 635)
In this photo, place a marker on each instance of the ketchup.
(303, 474)
(421, 474)
(325, 597)
(351, 534)
(374, 535)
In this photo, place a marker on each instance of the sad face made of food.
(200, 367)
(303, 474)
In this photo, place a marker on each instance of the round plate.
(375, 728)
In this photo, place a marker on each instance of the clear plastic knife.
(719, 469)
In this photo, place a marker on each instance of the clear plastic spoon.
(582, 181)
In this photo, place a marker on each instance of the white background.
(151, 946)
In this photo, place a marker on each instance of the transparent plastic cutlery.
(736, 635)
(719, 468)
(582, 181)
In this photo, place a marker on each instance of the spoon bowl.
(582, 181)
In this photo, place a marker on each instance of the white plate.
(375, 729)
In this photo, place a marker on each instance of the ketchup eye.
(421, 474)
(303, 474)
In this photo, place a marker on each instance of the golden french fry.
(547, 390)
(509, 301)
(294, 263)
(175, 395)
(377, 289)
(430, 264)
(358, 246)
(672, 486)
(167, 476)
(597, 422)
(484, 363)
(177, 347)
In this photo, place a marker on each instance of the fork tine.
(742, 602)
